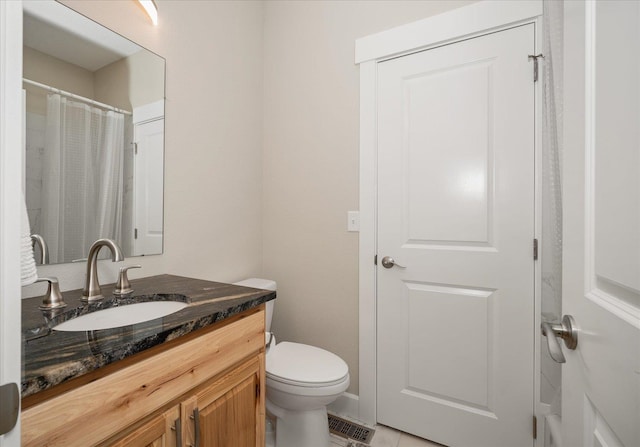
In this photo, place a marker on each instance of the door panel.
(456, 208)
(460, 379)
(601, 268)
(597, 432)
(459, 182)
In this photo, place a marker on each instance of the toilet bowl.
(301, 381)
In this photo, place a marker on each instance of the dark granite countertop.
(51, 357)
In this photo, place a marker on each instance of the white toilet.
(301, 381)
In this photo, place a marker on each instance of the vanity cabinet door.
(161, 431)
(230, 410)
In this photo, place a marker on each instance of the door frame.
(11, 174)
(464, 23)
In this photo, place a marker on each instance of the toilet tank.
(265, 284)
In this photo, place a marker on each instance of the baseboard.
(346, 406)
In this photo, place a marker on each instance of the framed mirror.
(94, 135)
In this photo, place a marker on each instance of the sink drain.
(350, 430)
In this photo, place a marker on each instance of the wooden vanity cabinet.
(207, 391)
(223, 412)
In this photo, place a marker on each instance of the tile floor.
(387, 437)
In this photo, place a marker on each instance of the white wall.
(213, 137)
(311, 128)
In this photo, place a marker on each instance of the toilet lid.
(298, 363)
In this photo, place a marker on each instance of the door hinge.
(257, 390)
(535, 65)
(535, 249)
(135, 148)
(375, 260)
(135, 233)
(535, 427)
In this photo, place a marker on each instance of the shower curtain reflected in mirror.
(82, 178)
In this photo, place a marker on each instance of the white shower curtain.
(82, 177)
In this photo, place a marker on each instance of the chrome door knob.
(388, 262)
(565, 331)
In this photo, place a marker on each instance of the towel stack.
(28, 271)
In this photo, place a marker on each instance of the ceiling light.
(151, 10)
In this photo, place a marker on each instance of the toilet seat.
(302, 365)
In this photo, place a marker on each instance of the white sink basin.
(121, 316)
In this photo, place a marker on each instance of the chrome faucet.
(36, 239)
(92, 291)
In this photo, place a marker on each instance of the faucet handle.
(53, 298)
(123, 287)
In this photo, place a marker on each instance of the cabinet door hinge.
(535, 65)
(135, 148)
(375, 260)
(257, 390)
(535, 249)
(535, 427)
(135, 233)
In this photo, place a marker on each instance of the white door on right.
(601, 271)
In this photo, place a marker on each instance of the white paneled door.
(601, 377)
(455, 314)
(149, 187)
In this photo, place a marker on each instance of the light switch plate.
(353, 221)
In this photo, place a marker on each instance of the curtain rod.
(74, 96)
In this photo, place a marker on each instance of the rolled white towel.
(28, 271)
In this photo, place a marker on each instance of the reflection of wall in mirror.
(46, 69)
(131, 82)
